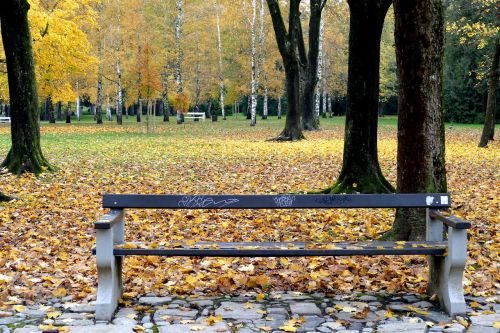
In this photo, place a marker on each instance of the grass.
(47, 236)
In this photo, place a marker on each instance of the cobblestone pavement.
(249, 313)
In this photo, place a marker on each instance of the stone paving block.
(305, 308)
(405, 327)
(233, 310)
(150, 300)
(103, 328)
(173, 313)
(88, 308)
(219, 327)
(485, 320)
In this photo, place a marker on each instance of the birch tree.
(178, 64)
(320, 69)
(262, 56)
(253, 96)
(77, 100)
(221, 70)
(119, 93)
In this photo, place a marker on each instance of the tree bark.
(221, 72)
(178, 34)
(288, 46)
(77, 100)
(164, 96)
(491, 105)
(25, 154)
(68, 113)
(310, 61)
(98, 111)
(119, 93)
(419, 36)
(360, 169)
(254, 81)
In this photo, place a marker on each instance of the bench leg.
(109, 272)
(450, 273)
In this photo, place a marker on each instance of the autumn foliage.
(47, 235)
(181, 103)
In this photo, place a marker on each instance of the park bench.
(195, 115)
(448, 257)
(5, 120)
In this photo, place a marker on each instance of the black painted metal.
(276, 252)
(419, 200)
(451, 221)
(287, 249)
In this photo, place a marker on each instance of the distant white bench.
(5, 120)
(195, 115)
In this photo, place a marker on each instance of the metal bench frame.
(445, 273)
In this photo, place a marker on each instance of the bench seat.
(278, 249)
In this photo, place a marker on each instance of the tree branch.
(111, 80)
(282, 37)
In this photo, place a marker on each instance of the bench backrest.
(284, 201)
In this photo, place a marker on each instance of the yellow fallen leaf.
(496, 324)
(248, 305)
(260, 297)
(288, 328)
(19, 308)
(53, 314)
(266, 328)
(463, 322)
(416, 310)
(474, 305)
(213, 319)
(61, 292)
(389, 314)
(197, 328)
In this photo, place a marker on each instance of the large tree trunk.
(491, 105)
(288, 46)
(310, 80)
(419, 36)
(360, 169)
(25, 154)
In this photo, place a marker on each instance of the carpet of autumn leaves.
(46, 237)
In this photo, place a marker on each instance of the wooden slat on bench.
(282, 249)
(434, 200)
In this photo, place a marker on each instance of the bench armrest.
(110, 219)
(451, 221)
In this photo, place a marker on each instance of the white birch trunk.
(119, 95)
(265, 108)
(254, 78)
(198, 88)
(108, 109)
(320, 69)
(221, 72)
(324, 100)
(178, 35)
(279, 107)
(330, 111)
(78, 100)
